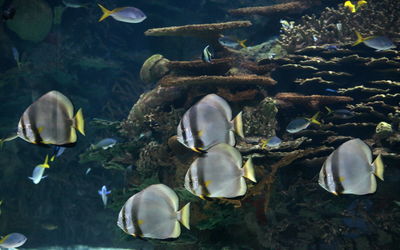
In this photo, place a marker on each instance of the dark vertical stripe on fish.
(124, 226)
(191, 182)
(135, 213)
(32, 114)
(336, 173)
(184, 135)
(325, 176)
(23, 128)
(198, 143)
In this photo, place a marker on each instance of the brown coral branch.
(292, 7)
(197, 29)
(313, 101)
(198, 67)
(217, 80)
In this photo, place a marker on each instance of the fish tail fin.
(106, 12)
(242, 43)
(350, 6)
(329, 110)
(45, 164)
(360, 39)
(238, 124)
(379, 167)
(184, 215)
(314, 119)
(248, 170)
(360, 3)
(79, 122)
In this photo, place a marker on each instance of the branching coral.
(337, 25)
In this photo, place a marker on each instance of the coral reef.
(154, 68)
(338, 25)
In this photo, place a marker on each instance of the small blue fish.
(16, 57)
(74, 4)
(331, 90)
(105, 143)
(103, 193)
(37, 174)
(331, 47)
(58, 151)
(300, 124)
(379, 43)
(206, 56)
(231, 42)
(13, 240)
(274, 141)
(124, 14)
(340, 113)
(88, 171)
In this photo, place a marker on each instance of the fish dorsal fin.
(79, 122)
(248, 170)
(238, 124)
(184, 216)
(379, 167)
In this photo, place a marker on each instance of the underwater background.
(134, 82)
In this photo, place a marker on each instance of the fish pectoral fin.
(140, 222)
(341, 178)
(207, 183)
(44, 177)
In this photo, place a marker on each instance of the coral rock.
(154, 68)
(284, 8)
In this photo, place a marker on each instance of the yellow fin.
(199, 133)
(198, 150)
(184, 216)
(238, 125)
(248, 170)
(45, 164)
(264, 143)
(329, 110)
(242, 43)
(140, 222)
(106, 12)
(341, 178)
(4, 239)
(349, 5)
(79, 122)
(379, 167)
(314, 119)
(360, 39)
(360, 3)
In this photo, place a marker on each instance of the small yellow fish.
(354, 7)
